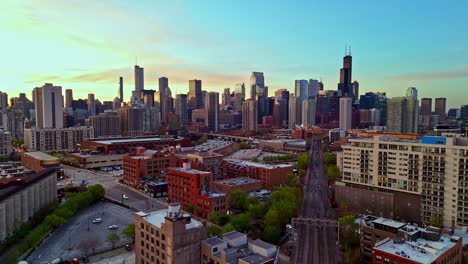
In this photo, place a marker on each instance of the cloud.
(436, 75)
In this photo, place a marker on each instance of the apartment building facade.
(434, 168)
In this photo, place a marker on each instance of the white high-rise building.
(308, 112)
(346, 104)
(48, 102)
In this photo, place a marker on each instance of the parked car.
(113, 227)
(75, 261)
(85, 259)
(124, 196)
(97, 221)
(128, 247)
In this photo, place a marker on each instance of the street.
(114, 191)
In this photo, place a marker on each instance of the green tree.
(328, 158)
(271, 234)
(214, 230)
(97, 191)
(18, 142)
(129, 232)
(303, 161)
(241, 222)
(228, 228)
(113, 239)
(54, 221)
(237, 199)
(212, 217)
(333, 172)
(254, 159)
(223, 219)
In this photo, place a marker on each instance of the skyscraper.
(3, 101)
(249, 115)
(139, 78)
(240, 89)
(346, 104)
(440, 108)
(131, 121)
(121, 96)
(49, 106)
(295, 112)
(91, 104)
(426, 107)
(355, 91)
(308, 112)
(195, 99)
(164, 98)
(181, 108)
(412, 92)
(301, 89)
(345, 85)
(257, 85)
(320, 86)
(226, 96)
(313, 88)
(68, 98)
(212, 111)
(402, 115)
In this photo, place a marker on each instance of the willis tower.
(345, 85)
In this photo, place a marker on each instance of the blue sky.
(86, 45)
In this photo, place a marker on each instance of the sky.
(86, 45)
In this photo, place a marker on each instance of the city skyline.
(411, 50)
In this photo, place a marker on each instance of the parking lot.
(72, 239)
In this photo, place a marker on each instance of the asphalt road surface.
(69, 240)
(114, 191)
(317, 238)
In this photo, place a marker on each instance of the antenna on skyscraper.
(136, 60)
(346, 49)
(349, 50)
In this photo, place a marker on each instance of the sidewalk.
(118, 256)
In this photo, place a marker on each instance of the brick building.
(167, 237)
(200, 160)
(191, 187)
(227, 186)
(144, 164)
(269, 175)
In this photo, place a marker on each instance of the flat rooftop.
(156, 218)
(129, 140)
(258, 165)
(214, 241)
(389, 222)
(262, 244)
(42, 156)
(255, 259)
(422, 251)
(193, 171)
(237, 181)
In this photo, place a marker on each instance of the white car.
(113, 227)
(125, 196)
(97, 221)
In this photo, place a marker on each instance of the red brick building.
(191, 187)
(269, 175)
(227, 186)
(144, 164)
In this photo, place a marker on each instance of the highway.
(316, 227)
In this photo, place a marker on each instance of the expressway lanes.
(317, 238)
(114, 190)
